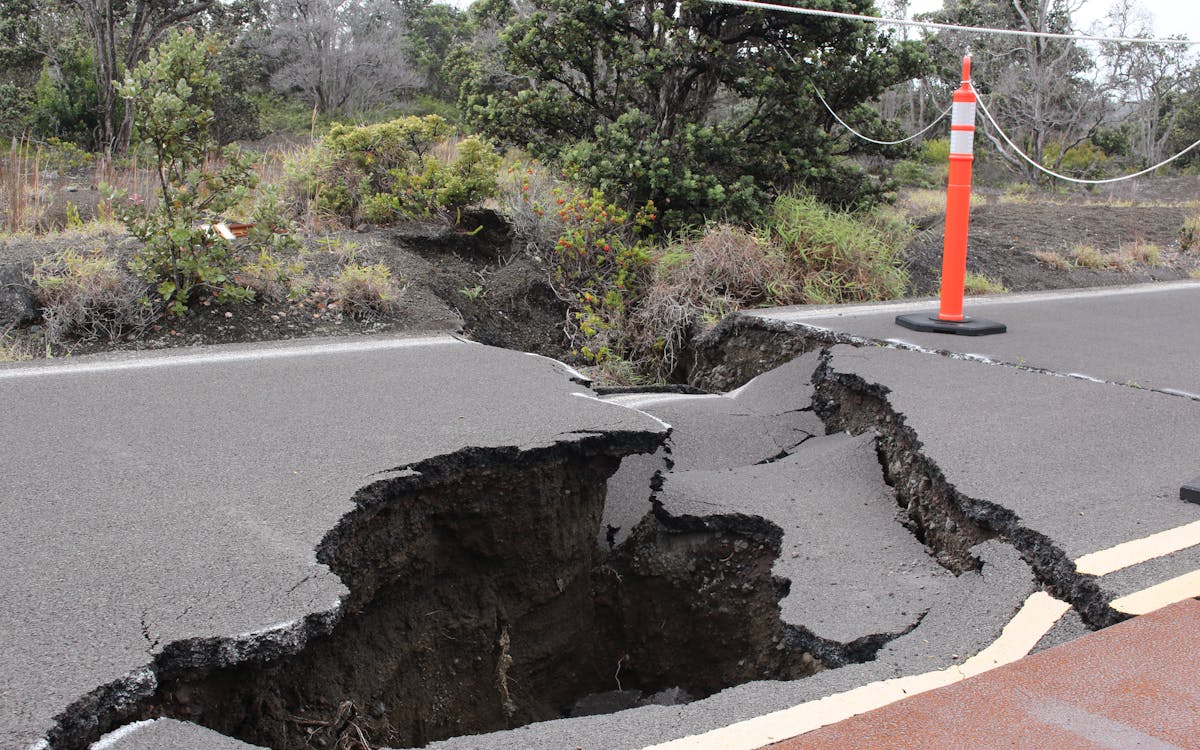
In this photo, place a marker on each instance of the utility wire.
(1033, 163)
(912, 137)
(950, 26)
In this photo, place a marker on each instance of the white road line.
(1031, 623)
(161, 359)
(1186, 586)
(1137, 551)
(1037, 615)
(834, 311)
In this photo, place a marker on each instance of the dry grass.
(367, 292)
(1189, 234)
(1051, 259)
(699, 281)
(13, 349)
(1087, 256)
(88, 296)
(975, 284)
(24, 200)
(1145, 253)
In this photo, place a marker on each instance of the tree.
(345, 54)
(705, 109)
(434, 29)
(172, 94)
(1147, 80)
(121, 32)
(1043, 89)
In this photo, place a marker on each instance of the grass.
(1145, 253)
(835, 257)
(13, 349)
(1189, 234)
(1088, 256)
(88, 296)
(976, 284)
(1051, 259)
(366, 292)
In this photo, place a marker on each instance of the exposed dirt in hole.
(480, 600)
(695, 605)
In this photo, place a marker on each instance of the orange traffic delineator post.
(949, 317)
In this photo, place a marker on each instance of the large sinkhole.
(481, 600)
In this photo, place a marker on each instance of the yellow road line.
(1037, 615)
(1136, 551)
(1035, 618)
(1186, 586)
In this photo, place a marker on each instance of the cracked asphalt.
(1080, 463)
(179, 498)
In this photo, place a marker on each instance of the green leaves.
(705, 109)
(172, 93)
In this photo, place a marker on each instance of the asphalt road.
(181, 495)
(156, 498)
(1145, 335)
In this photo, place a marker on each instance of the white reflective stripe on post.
(963, 114)
(962, 142)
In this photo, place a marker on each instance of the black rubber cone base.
(930, 323)
(1190, 491)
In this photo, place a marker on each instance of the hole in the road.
(484, 602)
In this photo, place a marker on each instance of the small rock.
(17, 305)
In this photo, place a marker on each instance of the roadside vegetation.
(661, 165)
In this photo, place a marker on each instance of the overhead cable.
(912, 137)
(950, 26)
(1032, 162)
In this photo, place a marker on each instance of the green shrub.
(910, 173)
(601, 268)
(1082, 159)
(366, 292)
(172, 92)
(936, 151)
(1189, 234)
(835, 257)
(404, 168)
(88, 296)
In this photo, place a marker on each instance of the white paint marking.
(1136, 551)
(833, 311)
(1186, 586)
(599, 400)
(638, 400)
(115, 736)
(1037, 615)
(220, 356)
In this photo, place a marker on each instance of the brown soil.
(1005, 234)
(456, 280)
(466, 278)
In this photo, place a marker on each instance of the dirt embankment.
(466, 277)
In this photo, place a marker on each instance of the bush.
(1084, 159)
(936, 151)
(1189, 234)
(366, 292)
(88, 296)
(834, 256)
(699, 281)
(405, 168)
(910, 173)
(172, 92)
(600, 268)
